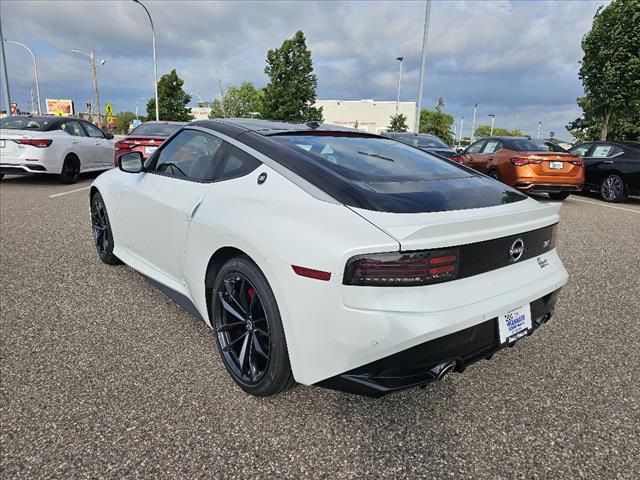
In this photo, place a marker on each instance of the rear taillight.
(124, 144)
(579, 162)
(403, 269)
(35, 142)
(521, 161)
(457, 158)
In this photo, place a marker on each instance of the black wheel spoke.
(227, 348)
(227, 306)
(230, 326)
(257, 347)
(244, 353)
(230, 288)
(262, 332)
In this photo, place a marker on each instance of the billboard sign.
(59, 106)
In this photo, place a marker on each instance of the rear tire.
(1, 176)
(494, 174)
(613, 189)
(70, 170)
(559, 195)
(248, 329)
(101, 229)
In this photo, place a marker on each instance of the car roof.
(164, 122)
(267, 127)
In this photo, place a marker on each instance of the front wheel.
(101, 229)
(248, 329)
(558, 195)
(613, 189)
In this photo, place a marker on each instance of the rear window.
(431, 142)
(371, 159)
(155, 129)
(25, 123)
(526, 145)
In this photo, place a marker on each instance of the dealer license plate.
(150, 150)
(556, 165)
(514, 324)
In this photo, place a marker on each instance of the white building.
(369, 115)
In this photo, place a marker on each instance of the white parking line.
(70, 191)
(604, 205)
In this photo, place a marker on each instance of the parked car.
(46, 144)
(527, 164)
(611, 168)
(146, 138)
(328, 256)
(428, 143)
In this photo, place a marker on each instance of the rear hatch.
(10, 145)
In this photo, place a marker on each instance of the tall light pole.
(35, 70)
(539, 130)
(7, 96)
(400, 59)
(423, 62)
(197, 95)
(461, 124)
(155, 62)
(94, 77)
(493, 119)
(473, 123)
(137, 100)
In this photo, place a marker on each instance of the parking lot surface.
(102, 375)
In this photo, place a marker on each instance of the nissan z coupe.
(329, 256)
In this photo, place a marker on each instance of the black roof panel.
(265, 127)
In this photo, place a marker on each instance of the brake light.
(457, 158)
(402, 269)
(311, 273)
(521, 161)
(35, 142)
(122, 144)
(579, 162)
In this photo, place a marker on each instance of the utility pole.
(493, 119)
(400, 59)
(539, 130)
(35, 71)
(7, 96)
(473, 123)
(461, 124)
(137, 117)
(94, 77)
(423, 62)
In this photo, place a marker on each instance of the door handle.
(195, 209)
(608, 161)
(74, 141)
(97, 143)
(490, 158)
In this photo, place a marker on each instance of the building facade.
(373, 116)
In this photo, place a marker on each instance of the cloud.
(516, 59)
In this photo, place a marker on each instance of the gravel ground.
(101, 375)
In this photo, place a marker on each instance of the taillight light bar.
(34, 142)
(457, 158)
(399, 269)
(521, 161)
(579, 162)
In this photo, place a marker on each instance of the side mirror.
(132, 162)
(460, 151)
(108, 136)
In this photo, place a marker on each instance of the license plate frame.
(514, 324)
(556, 165)
(150, 150)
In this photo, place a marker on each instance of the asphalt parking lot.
(102, 375)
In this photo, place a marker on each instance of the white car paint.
(168, 229)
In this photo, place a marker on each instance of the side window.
(476, 147)
(93, 131)
(606, 151)
(492, 146)
(580, 150)
(237, 164)
(615, 151)
(190, 155)
(72, 128)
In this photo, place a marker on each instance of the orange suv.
(527, 164)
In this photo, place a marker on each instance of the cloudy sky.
(516, 59)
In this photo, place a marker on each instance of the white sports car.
(46, 144)
(329, 256)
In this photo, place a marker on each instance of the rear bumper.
(428, 361)
(548, 187)
(22, 169)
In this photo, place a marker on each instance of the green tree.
(173, 100)
(485, 131)
(610, 74)
(398, 123)
(244, 101)
(437, 123)
(123, 121)
(291, 91)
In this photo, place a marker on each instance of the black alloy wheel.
(612, 189)
(494, 174)
(558, 195)
(248, 329)
(70, 170)
(101, 229)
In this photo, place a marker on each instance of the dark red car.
(146, 138)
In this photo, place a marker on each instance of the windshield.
(372, 159)
(156, 129)
(25, 123)
(526, 145)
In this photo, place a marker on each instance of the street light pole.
(423, 62)
(155, 63)
(35, 71)
(461, 124)
(473, 123)
(7, 96)
(400, 59)
(137, 117)
(197, 95)
(493, 119)
(94, 77)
